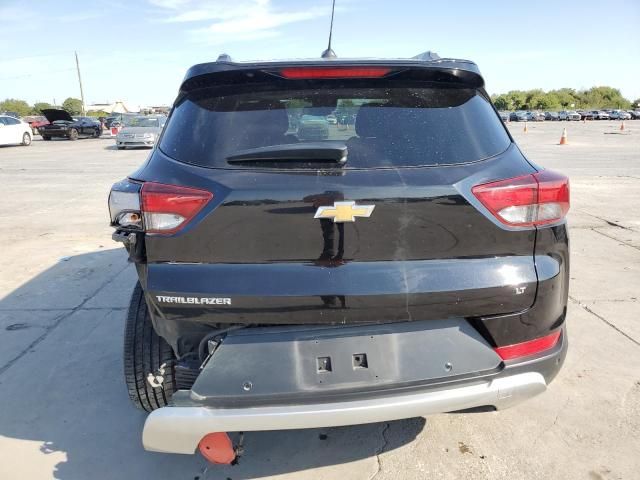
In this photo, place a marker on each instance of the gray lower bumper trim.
(180, 429)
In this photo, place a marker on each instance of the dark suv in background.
(413, 263)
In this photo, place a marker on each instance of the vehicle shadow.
(113, 147)
(66, 413)
(64, 139)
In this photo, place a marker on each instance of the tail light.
(531, 347)
(154, 207)
(538, 199)
(300, 73)
(124, 205)
(168, 208)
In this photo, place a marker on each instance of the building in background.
(115, 107)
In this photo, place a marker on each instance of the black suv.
(413, 262)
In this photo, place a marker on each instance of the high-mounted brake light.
(301, 73)
(168, 208)
(531, 347)
(531, 200)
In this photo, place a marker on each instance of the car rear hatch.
(294, 234)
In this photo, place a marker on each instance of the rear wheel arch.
(149, 361)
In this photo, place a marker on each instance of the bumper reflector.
(528, 348)
(217, 448)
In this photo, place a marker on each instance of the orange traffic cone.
(622, 126)
(525, 127)
(564, 139)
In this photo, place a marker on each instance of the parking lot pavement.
(64, 289)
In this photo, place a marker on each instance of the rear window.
(381, 127)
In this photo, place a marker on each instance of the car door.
(10, 132)
(87, 126)
(13, 128)
(3, 132)
(81, 125)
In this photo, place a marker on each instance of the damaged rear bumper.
(269, 379)
(179, 429)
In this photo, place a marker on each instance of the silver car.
(569, 115)
(619, 115)
(140, 131)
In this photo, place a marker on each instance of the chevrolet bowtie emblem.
(342, 212)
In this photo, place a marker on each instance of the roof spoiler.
(428, 63)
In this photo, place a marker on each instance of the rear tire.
(149, 361)
(26, 139)
(97, 133)
(45, 137)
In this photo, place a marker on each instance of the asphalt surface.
(65, 286)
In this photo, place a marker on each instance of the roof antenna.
(329, 53)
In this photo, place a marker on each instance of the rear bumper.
(135, 143)
(54, 132)
(180, 429)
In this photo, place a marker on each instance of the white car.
(14, 131)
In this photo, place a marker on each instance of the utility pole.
(80, 82)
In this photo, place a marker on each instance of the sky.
(138, 51)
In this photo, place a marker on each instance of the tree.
(346, 111)
(566, 97)
(72, 105)
(501, 102)
(39, 106)
(517, 100)
(636, 103)
(601, 97)
(346, 108)
(20, 107)
(552, 101)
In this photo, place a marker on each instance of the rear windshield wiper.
(308, 152)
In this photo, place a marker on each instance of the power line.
(35, 56)
(37, 74)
